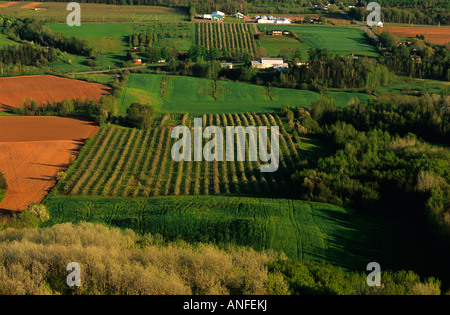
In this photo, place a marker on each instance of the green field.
(179, 36)
(111, 40)
(412, 87)
(200, 96)
(339, 40)
(106, 38)
(5, 41)
(55, 12)
(282, 46)
(302, 230)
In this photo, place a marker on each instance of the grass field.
(106, 38)
(282, 46)
(5, 41)
(179, 36)
(412, 87)
(111, 40)
(200, 96)
(302, 230)
(54, 12)
(341, 41)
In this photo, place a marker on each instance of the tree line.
(380, 158)
(35, 31)
(430, 16)
(27, 54)
(417, 58)
(99, 112)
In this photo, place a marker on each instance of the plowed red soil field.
(33, 150)
(435, 35)
(8, 4)
(44, 88)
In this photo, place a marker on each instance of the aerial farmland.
(224, 149)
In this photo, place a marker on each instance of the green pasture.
(300, 229)
(200, 96)
(5, 41)
(282, 46)
(106, 38)
(339, 40)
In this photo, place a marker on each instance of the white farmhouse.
(271, 20)
(265, 63)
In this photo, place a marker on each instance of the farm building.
(283, 20)
(276, 33)
(239, 15)
(228, 65)
(302, 63)
(271, 20)
(265, 63)
(138, 62)
(218, 13)
(215, 16)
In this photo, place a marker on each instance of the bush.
(140, 115)
(60, 176)
(112, 261)
(32, 217)
(3, 186)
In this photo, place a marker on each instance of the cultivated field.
(179, 36)
(179, 94)
(46, 88)
(236, 37)
(435, 35)
(301, 229)
(33, 150)
(55, 12)
(340, 40)
(135, 163)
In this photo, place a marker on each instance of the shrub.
(3, 186)
(140, 115)
(112, 262)
(60, 176)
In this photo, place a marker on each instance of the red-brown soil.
(46, 88)
(8, 4)
(33, 150)
(435, 35)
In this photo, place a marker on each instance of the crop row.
(236, 37)
(130, 163)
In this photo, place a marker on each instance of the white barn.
(265, 63)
